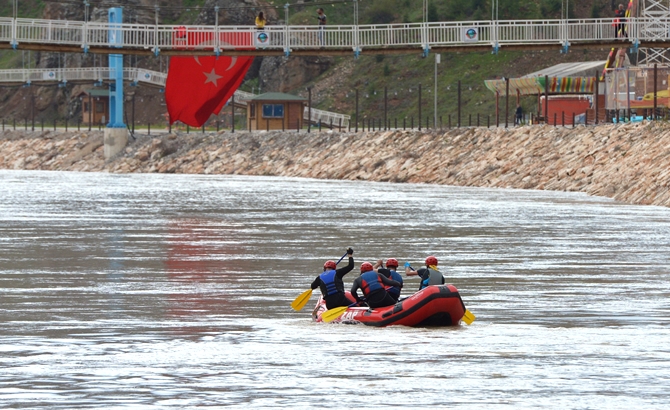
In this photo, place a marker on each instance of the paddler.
(330, 282)
(390, 272)
(372, 284)
(429, 275)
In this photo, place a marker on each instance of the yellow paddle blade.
(301, 300)
(468, 317)
(334, 313)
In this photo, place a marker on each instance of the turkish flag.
(198, 87)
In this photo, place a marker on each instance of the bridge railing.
(50, 31)
(243, 95)
(327, 118)
(212, 38)
(54, 75)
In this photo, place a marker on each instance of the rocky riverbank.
(630, 162)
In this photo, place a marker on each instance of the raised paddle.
(303, 298)
(468, 317)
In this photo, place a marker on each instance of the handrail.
(496, 33)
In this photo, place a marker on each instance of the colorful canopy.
(557, 85)
(564, 78)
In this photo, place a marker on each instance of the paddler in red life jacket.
(372, 284)
(390, 272)
(429, 275)
(330, 282)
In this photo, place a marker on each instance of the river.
(173, 291)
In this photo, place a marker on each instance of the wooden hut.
(94, 106)
(275, 111)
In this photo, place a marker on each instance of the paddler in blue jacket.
(429, 275)
(390, 272)
(372, 285)
(331, 284)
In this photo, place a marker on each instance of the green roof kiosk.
(275, 111)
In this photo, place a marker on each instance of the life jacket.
(435, 278)
(371, 282)
(396, 277)
(328, 285)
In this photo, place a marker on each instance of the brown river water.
(173, 291)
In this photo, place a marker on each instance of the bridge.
(134, 75)
(482, 35)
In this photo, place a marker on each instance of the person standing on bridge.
(322, 23)
(620, 22)
(260, 21)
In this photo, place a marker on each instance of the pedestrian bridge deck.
(483, 35)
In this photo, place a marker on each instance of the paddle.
(303, 298)
(468, 317)
(332, 314)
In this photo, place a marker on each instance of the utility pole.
(309, 109)
(437, 61)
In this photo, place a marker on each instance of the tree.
(432, 12)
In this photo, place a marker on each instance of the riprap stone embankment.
(630, 162)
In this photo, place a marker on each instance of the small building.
(570, 89)
(94, 106)
(275, 111)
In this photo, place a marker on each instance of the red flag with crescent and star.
(198, 87)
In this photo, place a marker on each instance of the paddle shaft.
(343, 256)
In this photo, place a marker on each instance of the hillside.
(333, 80)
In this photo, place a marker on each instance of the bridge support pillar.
(566, 48)
(115, 140)
(116, 134)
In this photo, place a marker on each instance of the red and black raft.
(438, 305)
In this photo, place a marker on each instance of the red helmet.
(391, 262)
(431, 260)
(366, 267)
(329, 265)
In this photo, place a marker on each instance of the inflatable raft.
(439, 305)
